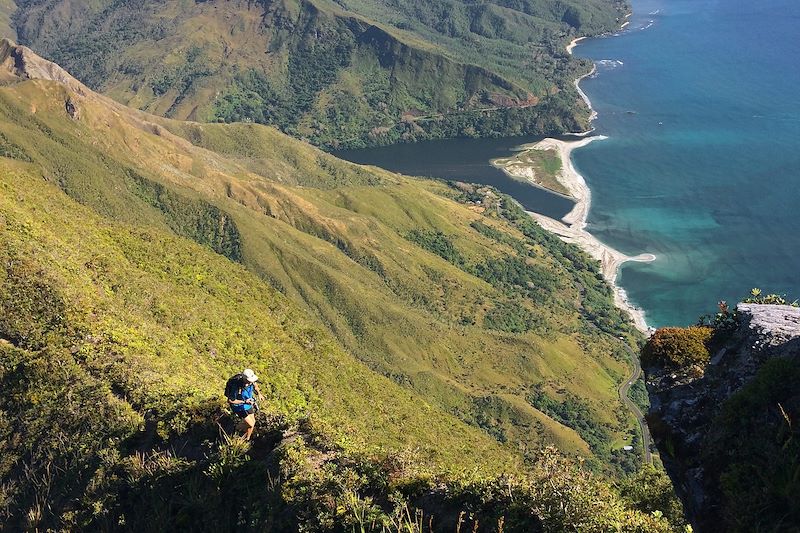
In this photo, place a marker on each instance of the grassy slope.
(336, 76)
(128, 335)
(128, 330)
(157, 316)
(343, 253)
(7, 8)
(115, 343)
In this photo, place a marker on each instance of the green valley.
(340, 74)
(419, 353)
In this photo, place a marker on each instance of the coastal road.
(637, 413)
(626, 385)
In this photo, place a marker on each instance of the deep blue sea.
(700, 101)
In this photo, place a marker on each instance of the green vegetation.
(597, 303)
(438, 243)
(756, 297)
(545, 164)
(193, 218)
(638, 393)
(573, 412)
(511, 317)
(12, 151)
(726, 319)
(311, 70)
(759, 476)
(650, 491)
(340, 74)
(416, 285)
(144, 260)
(678, 347)
(116, 344)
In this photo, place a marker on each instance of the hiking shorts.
(243, 414)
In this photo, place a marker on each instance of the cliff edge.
(728, 430)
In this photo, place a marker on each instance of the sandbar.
(572, 227)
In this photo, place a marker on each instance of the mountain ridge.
(367, 73)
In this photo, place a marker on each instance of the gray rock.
(770, 325)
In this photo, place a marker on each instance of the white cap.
(250, 375)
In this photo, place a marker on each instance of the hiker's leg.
(250, 420)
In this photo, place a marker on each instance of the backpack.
(233, 385)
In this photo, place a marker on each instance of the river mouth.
(463, 160)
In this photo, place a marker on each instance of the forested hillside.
(340, 74)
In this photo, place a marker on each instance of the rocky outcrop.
(20, 62)
(689, 407)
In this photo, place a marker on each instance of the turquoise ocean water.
(699, 99)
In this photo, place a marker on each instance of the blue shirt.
(247, 392)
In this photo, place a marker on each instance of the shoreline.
(592, 112)
(572, 227)
(573, 43)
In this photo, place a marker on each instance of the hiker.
(241, 391)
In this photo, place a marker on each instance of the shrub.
(678, 347)
(511, 317)
(757, 297)
(650, 491)
(437, 243)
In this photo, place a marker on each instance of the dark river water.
(464, 160)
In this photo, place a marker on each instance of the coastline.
(573, 44)
(592, 112)
(572, 227)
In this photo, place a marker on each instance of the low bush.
(758, 476)
(757, 297)
(678, 347)
(650, 491)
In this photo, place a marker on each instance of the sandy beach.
(592, 112)
(572, 227)
(573, 44)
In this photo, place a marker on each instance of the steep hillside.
(138, 270)
(7, 9)
(115, 341)
(337, 73)
(113, 333)
(725, 413)
(475, 308)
